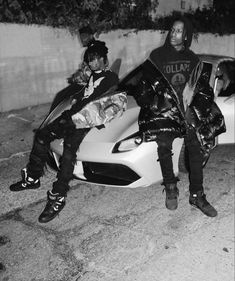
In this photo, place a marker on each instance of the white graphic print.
(175, 67)
(91, 87)
(178, 79)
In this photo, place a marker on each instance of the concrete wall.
(35, 61)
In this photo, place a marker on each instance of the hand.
(81, 76)
(170, 113)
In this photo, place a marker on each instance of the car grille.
(108, 173)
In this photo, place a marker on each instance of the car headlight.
(128, 144)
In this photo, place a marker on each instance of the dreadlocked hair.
(97, 49)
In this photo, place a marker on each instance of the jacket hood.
(188, 28)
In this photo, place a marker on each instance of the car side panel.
(227, 107)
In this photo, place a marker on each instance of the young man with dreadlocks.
(100, 81)
(183, 100)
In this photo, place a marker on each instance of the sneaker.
(26, 182)
(199, 201)
(55, 203)
(172, 193)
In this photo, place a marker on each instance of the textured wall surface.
(35, 61)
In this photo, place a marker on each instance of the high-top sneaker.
(26, 182)
(172, 193)
(55, 203)
(199, 201)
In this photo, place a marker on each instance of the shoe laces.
(171, 190)
(55, 200)
(27, 179)
(57, 204)
(201, 198)
(31, 180)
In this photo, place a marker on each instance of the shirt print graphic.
(177, 71)
(91, 87)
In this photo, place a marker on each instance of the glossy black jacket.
(160, 110)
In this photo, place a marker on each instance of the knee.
(193, 145)
(164, 150)
(70, 152)
(164, 146)
(41, 137)
(70, 148)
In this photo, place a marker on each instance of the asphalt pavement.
(111, 234)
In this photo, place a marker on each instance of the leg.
(56, 197)
(68, 160)
(195, 161)
(39, 152)
(197, 197)
(37, 159)
(38, 155)
(164, 142)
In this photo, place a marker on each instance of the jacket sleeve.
(203, 113)
(203, 95)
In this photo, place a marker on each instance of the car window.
(225, 79)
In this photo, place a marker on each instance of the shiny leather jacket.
(161, 110)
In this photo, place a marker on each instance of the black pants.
(164, 141)
(62, 127)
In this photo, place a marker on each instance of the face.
(177, 35)
(96, 63)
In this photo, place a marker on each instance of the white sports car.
(116, 154)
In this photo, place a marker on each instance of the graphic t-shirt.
(175, 66)
(99, 82)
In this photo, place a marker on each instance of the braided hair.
(96, 49)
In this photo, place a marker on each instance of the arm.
(80, 76)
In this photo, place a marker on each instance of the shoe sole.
(171, 204)
(208, 215)
(43, 220)
(23, 188)
(173, 208)
(47, 220)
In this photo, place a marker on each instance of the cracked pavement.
(111, 234)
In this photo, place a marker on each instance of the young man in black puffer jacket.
(184, 98)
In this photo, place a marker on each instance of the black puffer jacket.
(160, 110)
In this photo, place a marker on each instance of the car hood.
(117, 129)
